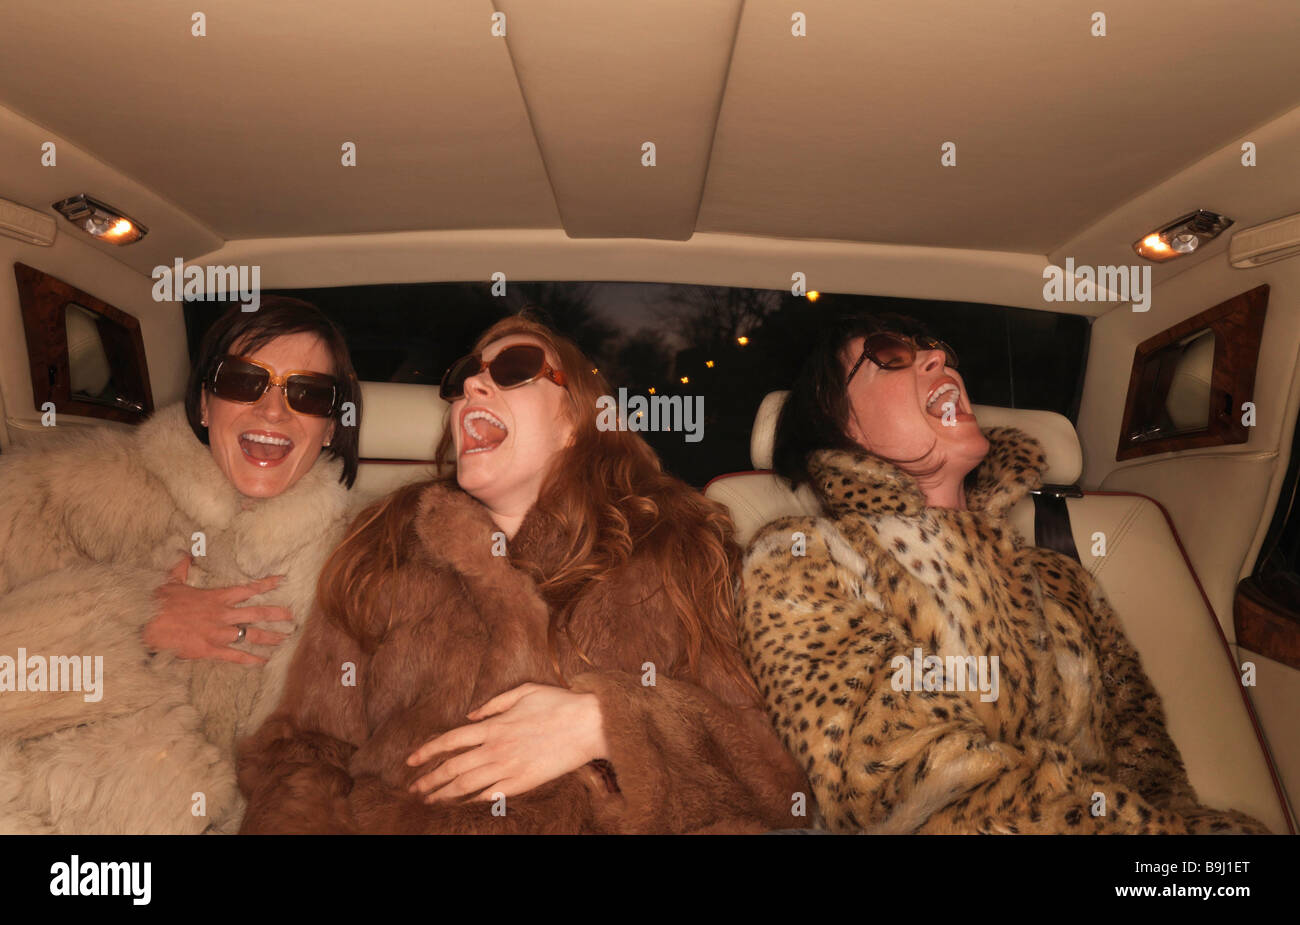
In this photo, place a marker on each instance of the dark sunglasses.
(243, 380)
(891, 350)
(509, 369)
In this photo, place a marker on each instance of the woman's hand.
(520, 740)
(199, 623)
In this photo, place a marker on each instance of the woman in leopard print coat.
(1055, 719)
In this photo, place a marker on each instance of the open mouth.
(481, 431)
(265, 449)
(945, 393)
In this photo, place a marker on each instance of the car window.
(714, 350)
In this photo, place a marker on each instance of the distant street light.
(709, 364)
(652, 390)
(814, 296)
(742, 340)
(686, 380)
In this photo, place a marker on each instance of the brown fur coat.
(467, 625)
(90, 522)
(836, 607)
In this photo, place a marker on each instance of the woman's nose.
(478, 384)
(931, 360)
(273, 404)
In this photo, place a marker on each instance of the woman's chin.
(472, 475)
(253, 481)
(975, 446)
(261, 488)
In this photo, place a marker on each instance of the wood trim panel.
(44, 301)
(1238, 326)
(1266, 625)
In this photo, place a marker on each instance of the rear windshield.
(720, 349)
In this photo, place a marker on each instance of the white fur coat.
(89, 525)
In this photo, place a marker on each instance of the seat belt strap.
(1052, 519)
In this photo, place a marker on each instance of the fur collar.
(185, 467)
(457, 530)
(857, 483)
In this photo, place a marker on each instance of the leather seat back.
(1128, 544)
(401, 425)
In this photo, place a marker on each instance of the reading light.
(1182, 236)
(101, 221)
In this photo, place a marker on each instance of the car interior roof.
(833, 137)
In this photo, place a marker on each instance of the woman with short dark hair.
(933, 672)
(183, 555)
(246, 333)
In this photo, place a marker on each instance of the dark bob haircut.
(816, 413)
(278, 316)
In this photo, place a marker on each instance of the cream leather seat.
(400, 428)
(1147, 580)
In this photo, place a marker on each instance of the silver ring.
(243, 631)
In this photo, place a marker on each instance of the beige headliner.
(832, 136)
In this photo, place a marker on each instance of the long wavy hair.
(605, 499)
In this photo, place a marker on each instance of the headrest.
(1188, 399)
(1054, 431)
(88, 366)
(400, 420)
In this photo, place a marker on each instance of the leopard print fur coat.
(872, 631)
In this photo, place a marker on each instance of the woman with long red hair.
(545, 644)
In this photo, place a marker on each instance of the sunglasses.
(240, 379)
(509, 369)
(891, 350)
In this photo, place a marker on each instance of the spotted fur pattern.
(882, 575)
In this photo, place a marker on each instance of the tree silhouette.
(567, 309)
(710, 317)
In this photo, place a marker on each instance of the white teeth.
(935, 396)
(262, 438)
(477, 415)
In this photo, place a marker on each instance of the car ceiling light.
(101, 221)
(1182, 236)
